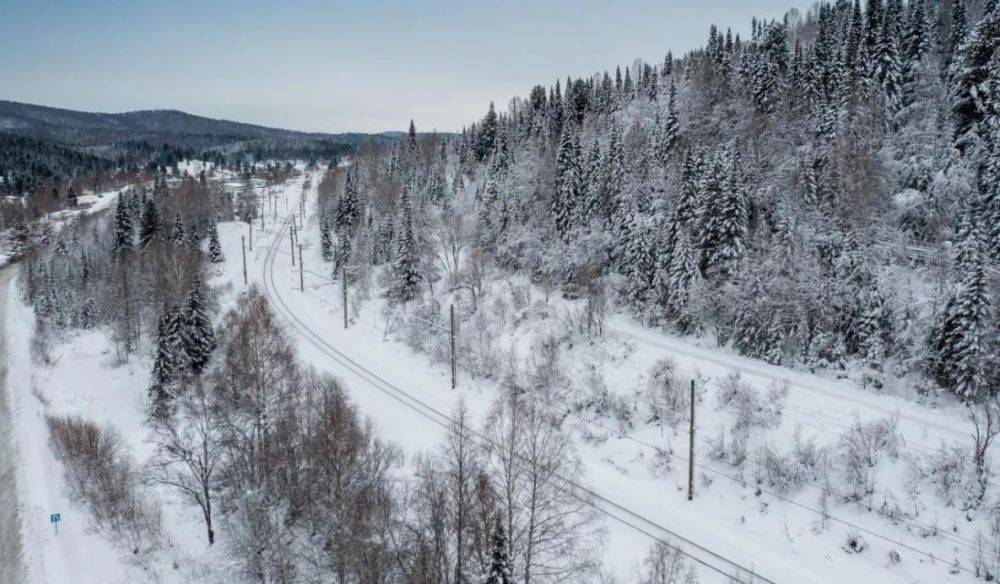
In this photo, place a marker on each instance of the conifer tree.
(487, 134)
(197, 335)
(348, 211)
(958, 342)
(325, 237)
(166, 364)
(499, 570)
(683, 271)
(177, 231)
(565, 200)
(406, 272)
(970, 74)
(215, 254)
(149, 225)
(124, 229)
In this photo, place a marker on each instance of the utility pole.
(691, 449)
(454, 368)
(291, 240)
(344, 282)
(250, 229)
(302, 280)
(243, 246)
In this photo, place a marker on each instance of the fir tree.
(958, 343)
(149, 225)
(487, 134)
(167, 364)
(124, 230)
(325, 237)
(499, 570)
(565, 200)
(683, 271)
(348, 211)
(970, 74)
(197, 336)
(177, 232)
(406, 269)
(215, 254)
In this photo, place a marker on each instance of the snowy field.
(637, 471)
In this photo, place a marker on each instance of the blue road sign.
(55, 518)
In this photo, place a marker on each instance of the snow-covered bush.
(666, 564)
(603, 403)
(947, 469)
(101, 474)
(751, 408)
(855, 543)
(860, 448)
(667, 394)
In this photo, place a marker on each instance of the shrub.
(100, 474)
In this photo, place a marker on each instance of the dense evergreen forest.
(825, 192)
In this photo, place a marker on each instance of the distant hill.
(39, 143)
(173, 127)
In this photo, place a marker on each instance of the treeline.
(122, 273)
(821, 193)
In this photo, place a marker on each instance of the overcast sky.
(335, 65)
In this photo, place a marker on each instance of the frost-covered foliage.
(797, 194)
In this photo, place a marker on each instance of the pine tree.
(149, 225)
(124, 230)
(499, 570)
(197, 336)
(215, 254)
(177, 232)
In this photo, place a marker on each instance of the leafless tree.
(189, 450)
(550, 525)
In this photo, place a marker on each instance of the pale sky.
(335, 65)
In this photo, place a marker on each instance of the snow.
(776, 537)
(779, 537)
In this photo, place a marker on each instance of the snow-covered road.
(10, 526)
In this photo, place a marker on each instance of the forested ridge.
(824, 192)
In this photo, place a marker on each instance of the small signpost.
(54, 519)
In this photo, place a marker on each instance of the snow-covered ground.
(10, 524)
(781, 538)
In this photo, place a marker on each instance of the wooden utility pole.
(302, 278)
(454, 368)
(250, 229)
(344, 282)
(291, 240)
(243, 246)
(691, 449)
